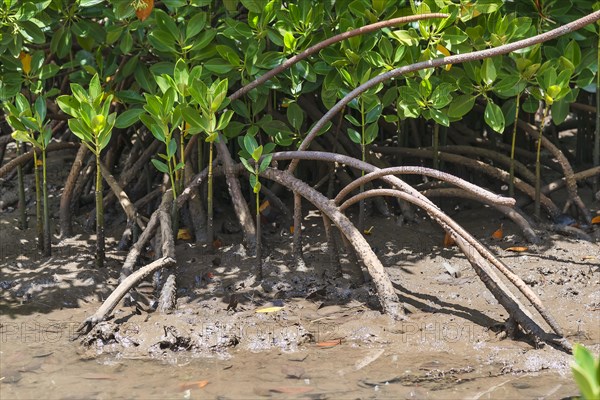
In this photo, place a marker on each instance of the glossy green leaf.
(128, 118)
(493, 117)
(354, 136)
(247, 165)
(161, 166)
(295, 116)
(460, 106)
(266, 161)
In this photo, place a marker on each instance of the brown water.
(39, 361)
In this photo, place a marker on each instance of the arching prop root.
(471, 244)
(130, 279)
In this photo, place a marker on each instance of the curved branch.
(328, 42)
(438, 62)
(469, 187)
(511, 213)
(477, 165)
(451, 226)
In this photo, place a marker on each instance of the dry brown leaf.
(217, 244)
(192, 385)
(498, 233)
(596, 219)
(517, 249)
(329, 343)
(448, 241)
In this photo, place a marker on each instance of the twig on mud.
(128, 279)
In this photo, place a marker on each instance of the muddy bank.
(322, 338)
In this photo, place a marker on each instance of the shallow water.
(37, 360)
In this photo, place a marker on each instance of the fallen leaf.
(292, 389)
(184, 234)
(498, 233)
(292, 229)
(268, 309)
(264, 205)
(144, 10)
(217, 243)
(585, 258)
(192, 385)
(329, 343)
(368, 231)
(517, 249)
(448, 241)
(596, 219)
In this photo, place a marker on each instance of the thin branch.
(438, 62)
(328, 42)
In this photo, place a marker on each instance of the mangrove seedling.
(201, 114)
(27, 123)
(250, 156)
(92, 123)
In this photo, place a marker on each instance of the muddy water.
(39, 361)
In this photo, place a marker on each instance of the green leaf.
(40, 109)
(295, 115)
(95, 87)
(371, 133)
(218, 66)
(488, 71)
(89, 3)
(257, 185)
(257, 153)
(171, 148)
(31, 32)
(68, 104)
(219, 92)
(79, 130)
(560, 111)
(128, 118)
(460, 106)
(493, 116)
(440, 116)
(45, 137)
(250, 144)
(22, 136)
(194, 118)
(195, 25)
(22, 105)
(224, 120)
(181, 77)
(161, 166)
(374, 114)
(247, 165)
(266, 161)
(354, 136)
